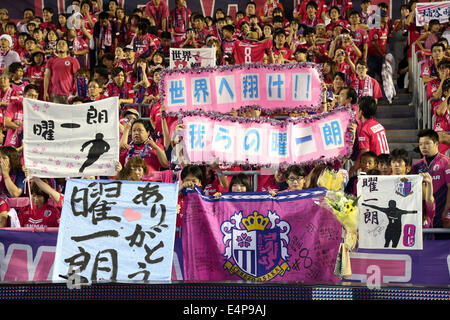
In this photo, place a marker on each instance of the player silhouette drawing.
(394, 228)
(99, 147)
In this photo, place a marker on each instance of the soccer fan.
(311, 19)
(40, 213)
(157, 12)
(14, 117)
(250, 50)
(7, 54)
(180, 20)
(365, 85)
(377, 49)
(60, 75)
(437, 165)
(430, 66)
(142, 145)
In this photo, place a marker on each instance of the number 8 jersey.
(247, 51)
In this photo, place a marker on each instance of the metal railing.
(425, 119)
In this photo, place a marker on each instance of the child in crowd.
(368, 161)
(40, 213)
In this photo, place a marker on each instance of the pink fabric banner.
(257, 237)
(322, 137)
(224, 88)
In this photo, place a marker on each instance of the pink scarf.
(106, 36)
(367, 87)
(3, 55)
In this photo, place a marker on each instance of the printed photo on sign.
(390, 212)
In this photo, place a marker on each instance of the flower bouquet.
(345, 209)
(333, 180)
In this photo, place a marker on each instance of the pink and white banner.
(233, 140)
(429, 11)
(257, 237)
(226, 88)
(181, 58)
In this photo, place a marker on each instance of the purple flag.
(27, 254)
(257, 237)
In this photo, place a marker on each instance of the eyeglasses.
(295, 179)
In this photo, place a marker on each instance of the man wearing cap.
(129, 115)
(7, 54)
(127, 64)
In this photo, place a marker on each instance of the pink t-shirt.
(368, 87)
(157, 13)
(62, 75)
(372, 136)
(14, 111)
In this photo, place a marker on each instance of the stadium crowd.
(109, 53)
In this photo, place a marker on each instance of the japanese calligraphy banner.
(27, 254)
(323, 137)
(116, 231)
(390, 212)
(181, 58)
(226, 88)
(62, 140)
(429, 11)
(257, 237)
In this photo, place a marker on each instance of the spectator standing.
(60, 75)
(157, 12)
(180, 20)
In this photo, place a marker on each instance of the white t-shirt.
(7, 58)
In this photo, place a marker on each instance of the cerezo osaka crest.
(256, 246)
(404, 187)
